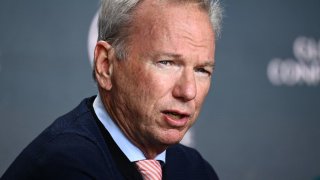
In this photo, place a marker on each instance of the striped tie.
(150, 169)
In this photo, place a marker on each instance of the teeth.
(174, 115)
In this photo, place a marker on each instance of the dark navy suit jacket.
(76, 146)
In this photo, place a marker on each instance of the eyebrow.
(168, 54)
(211, 65)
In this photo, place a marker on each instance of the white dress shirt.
(132, 152)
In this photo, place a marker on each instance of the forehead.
(162, 24)
(166, 12)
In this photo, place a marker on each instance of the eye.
(165, 62)
(203, 71)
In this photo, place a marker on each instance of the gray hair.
(116, 17)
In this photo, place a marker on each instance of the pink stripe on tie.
(150, 169)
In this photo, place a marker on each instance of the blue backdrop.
(261, 120)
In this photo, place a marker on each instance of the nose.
(185, 87)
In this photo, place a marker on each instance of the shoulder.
(71, 155)
(72, 133)
(189, 163)
(66, 155)
(70, 147)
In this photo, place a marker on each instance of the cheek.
(151, 89)
(145, 86)
(130, 77)
(158, 83)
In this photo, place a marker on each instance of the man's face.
(157, 92)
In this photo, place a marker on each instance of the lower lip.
(176, 122)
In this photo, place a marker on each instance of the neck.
(117, 115)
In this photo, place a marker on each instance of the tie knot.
(150, 169)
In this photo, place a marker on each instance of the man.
(153, 66)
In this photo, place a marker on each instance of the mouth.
(175, 118)
(175, 115)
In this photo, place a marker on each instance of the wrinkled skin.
(155, 95)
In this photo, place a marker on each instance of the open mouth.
(176, 119)
(175, 115)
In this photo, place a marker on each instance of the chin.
(172, 137)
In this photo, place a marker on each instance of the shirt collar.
(132, 152)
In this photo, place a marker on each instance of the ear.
(103, 61)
